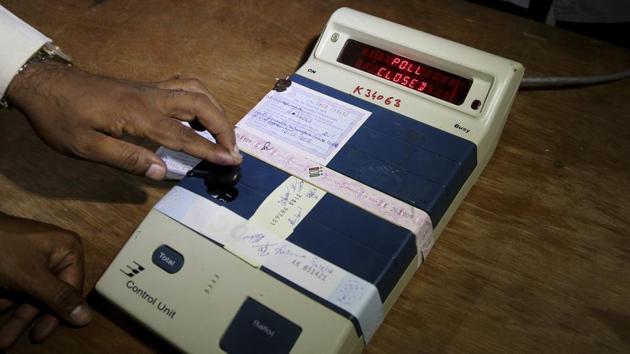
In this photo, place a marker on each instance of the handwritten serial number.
(375, 96)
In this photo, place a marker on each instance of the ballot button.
(258, 329)
(168, 259)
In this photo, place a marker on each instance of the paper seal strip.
(256, 245)
(378, 203)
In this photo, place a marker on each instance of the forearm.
(86, 115)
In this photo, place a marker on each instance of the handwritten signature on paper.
(292, 193)
(253, 238)
(312, 194)
(285, 250)
(284, 198)
(293, 221)
(322, 265)
(266, 146)
(296, 186)
(266, 247)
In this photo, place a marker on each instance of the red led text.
(406, 72)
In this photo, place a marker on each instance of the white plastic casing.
(204, 309)
(495, 79)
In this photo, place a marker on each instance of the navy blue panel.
(260, 176)
(332, 246)
(258, 180)
(258, 329)
(416, 133)
(355, 240)
(378, 234)
(421, 162)
(409, 160)
(350, 237)
(389, 178)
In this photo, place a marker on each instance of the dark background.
(615, 33)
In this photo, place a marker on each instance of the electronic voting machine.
(352, 168)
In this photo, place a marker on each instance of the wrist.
(34, 80)
(48, 53)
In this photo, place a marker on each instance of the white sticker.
(258, 246)
(201, 215)
(286, 206)
(376, 202)
(315, 124)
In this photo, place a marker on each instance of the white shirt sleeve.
(18, 42)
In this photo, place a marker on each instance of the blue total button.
(168, 259)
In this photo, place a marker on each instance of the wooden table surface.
(537, 258)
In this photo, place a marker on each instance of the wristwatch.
(48, 51)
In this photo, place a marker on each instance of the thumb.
(125, 156)
(62, 298)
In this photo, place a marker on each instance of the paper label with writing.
(286, 206)
(258, 246)
(305, 120)
(348, 189)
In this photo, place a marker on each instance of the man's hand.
(41, 279)
(85, 115)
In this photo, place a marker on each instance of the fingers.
(188, 98)
(16, 324)
(122, 155)
(44, 266)
(5, 304)
(191, 85)
(175, 136)
(126, 156)
(67, 263)
(178, 102)
(61, 298)
(45, 325)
